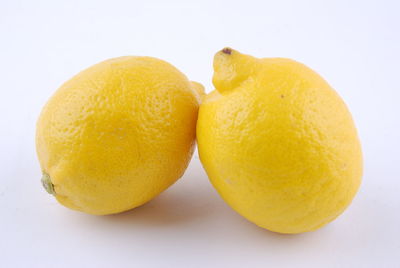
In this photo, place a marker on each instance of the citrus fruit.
(117, 134)
(278, 143)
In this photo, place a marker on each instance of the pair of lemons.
(275, 139)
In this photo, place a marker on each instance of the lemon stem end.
(227, 50)
(46, 182)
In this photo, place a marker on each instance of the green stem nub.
(46, 182)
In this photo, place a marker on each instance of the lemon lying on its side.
(278, 143)
(117, 134)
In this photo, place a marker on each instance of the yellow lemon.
(278, 143)
(117, 134)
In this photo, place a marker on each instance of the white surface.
(353, 44)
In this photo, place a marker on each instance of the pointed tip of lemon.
(231, 68)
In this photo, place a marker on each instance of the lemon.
(278, 143)
(117, 134)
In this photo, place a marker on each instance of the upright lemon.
(278, 143)
(117, 134)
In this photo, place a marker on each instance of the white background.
(353, 44)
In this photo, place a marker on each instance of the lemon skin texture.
(117, 134)
(278, 143)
